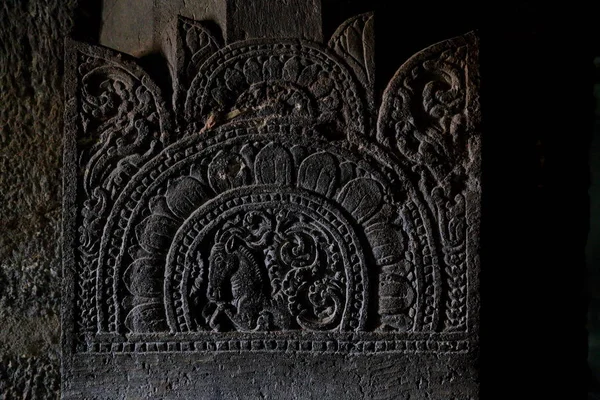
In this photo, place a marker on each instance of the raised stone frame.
(272, 221)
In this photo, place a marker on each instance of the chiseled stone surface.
(31, 114)
(267, 18)
(139, 27)
(271, 232)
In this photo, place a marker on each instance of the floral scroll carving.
(123, 122)
(429, 115)
(275, 201)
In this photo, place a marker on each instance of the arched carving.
(121, 121)
(195, 44)
(263, 79)
(220, 181)
(275, 210)
(429, 117)
(354, 41)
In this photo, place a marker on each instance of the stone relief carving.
(274, 208)
(354, 40)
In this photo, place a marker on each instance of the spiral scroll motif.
(266, 260)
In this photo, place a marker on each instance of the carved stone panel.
(268, 225)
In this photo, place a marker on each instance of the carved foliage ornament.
(274, 199)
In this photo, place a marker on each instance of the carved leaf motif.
(361, 197)
(155, 232)
(234, 79)
(272, 69)
(354, 40)
(274, 165)
(227, 171)
(319, 172)
(347, 172)
(252, 71)
(146, 318)
(387, 243)
(197, 43)
(322, 86)
(185, 195)
(396, 294)
(142, 279)
(291, 69)
(326, 300)
(309, 75)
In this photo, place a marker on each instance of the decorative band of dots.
(283, 345)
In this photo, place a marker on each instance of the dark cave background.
(541, 125)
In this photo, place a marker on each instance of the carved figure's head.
(222, 264)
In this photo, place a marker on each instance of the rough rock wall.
(31, 55)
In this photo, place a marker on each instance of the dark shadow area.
(335, 12)
(537, 127)
(537, 123)
(593, 246)
(156, 65)
(88, 17)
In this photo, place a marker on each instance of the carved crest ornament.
(269, 201)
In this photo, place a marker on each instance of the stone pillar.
(274, 19)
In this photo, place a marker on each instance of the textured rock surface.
(272, 225)
(138, 27)
(31, 113)
(265, 18)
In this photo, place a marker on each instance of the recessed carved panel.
(272, 208)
